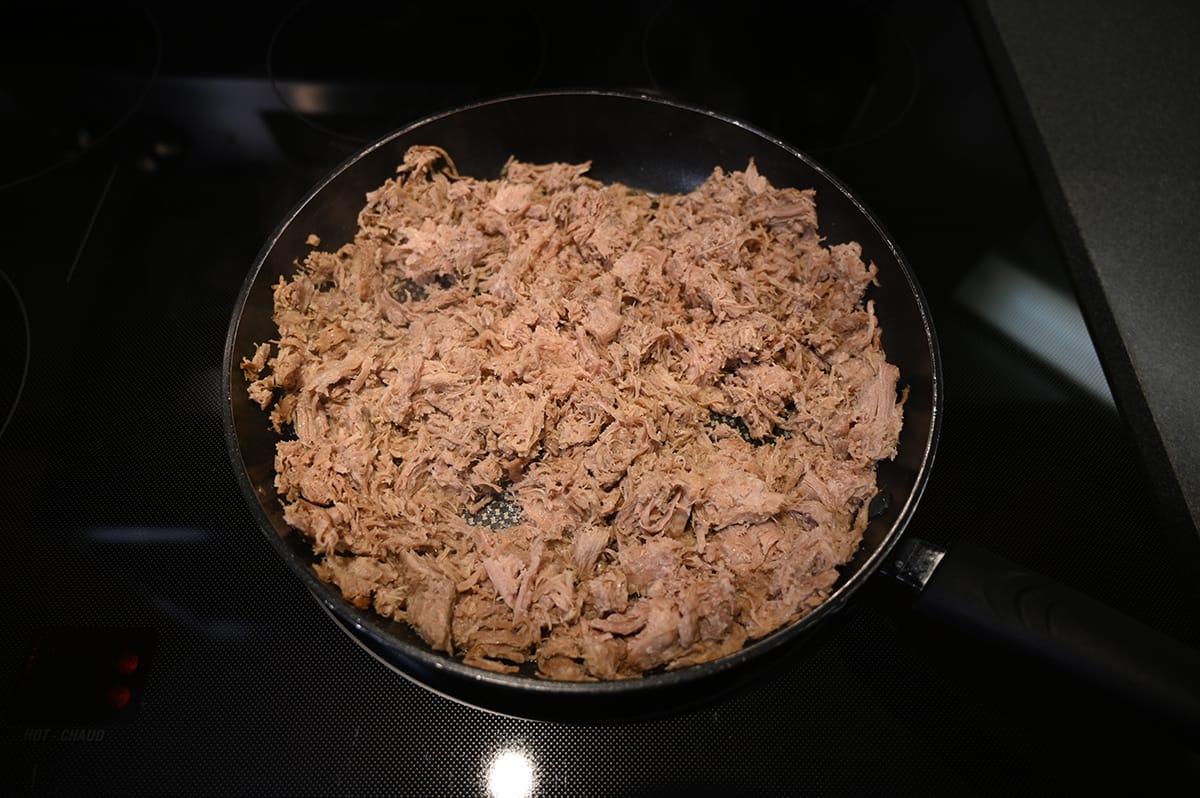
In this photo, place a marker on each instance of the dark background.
(146, 153)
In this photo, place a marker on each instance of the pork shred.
(681, 398)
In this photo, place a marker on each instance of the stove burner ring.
(818, 105)
(24, 315)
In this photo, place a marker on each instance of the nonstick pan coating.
(653, 145)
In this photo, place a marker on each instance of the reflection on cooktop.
(356, 72)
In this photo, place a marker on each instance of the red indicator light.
(128, 662)
(118, 697)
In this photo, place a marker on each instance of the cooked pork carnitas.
(576, 427)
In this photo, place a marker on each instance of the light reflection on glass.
(510, 775)
(1044, 320)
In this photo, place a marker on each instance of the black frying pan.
(662, 146)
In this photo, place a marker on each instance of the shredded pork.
(577, 428)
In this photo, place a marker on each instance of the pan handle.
(989, 596)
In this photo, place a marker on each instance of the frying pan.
(656, 145)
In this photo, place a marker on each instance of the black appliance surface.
(1113, 150)
(153, 643)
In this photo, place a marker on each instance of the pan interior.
(648, 144)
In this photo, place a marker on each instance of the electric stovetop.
(153, 643)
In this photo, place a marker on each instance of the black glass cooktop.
(153, 643)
